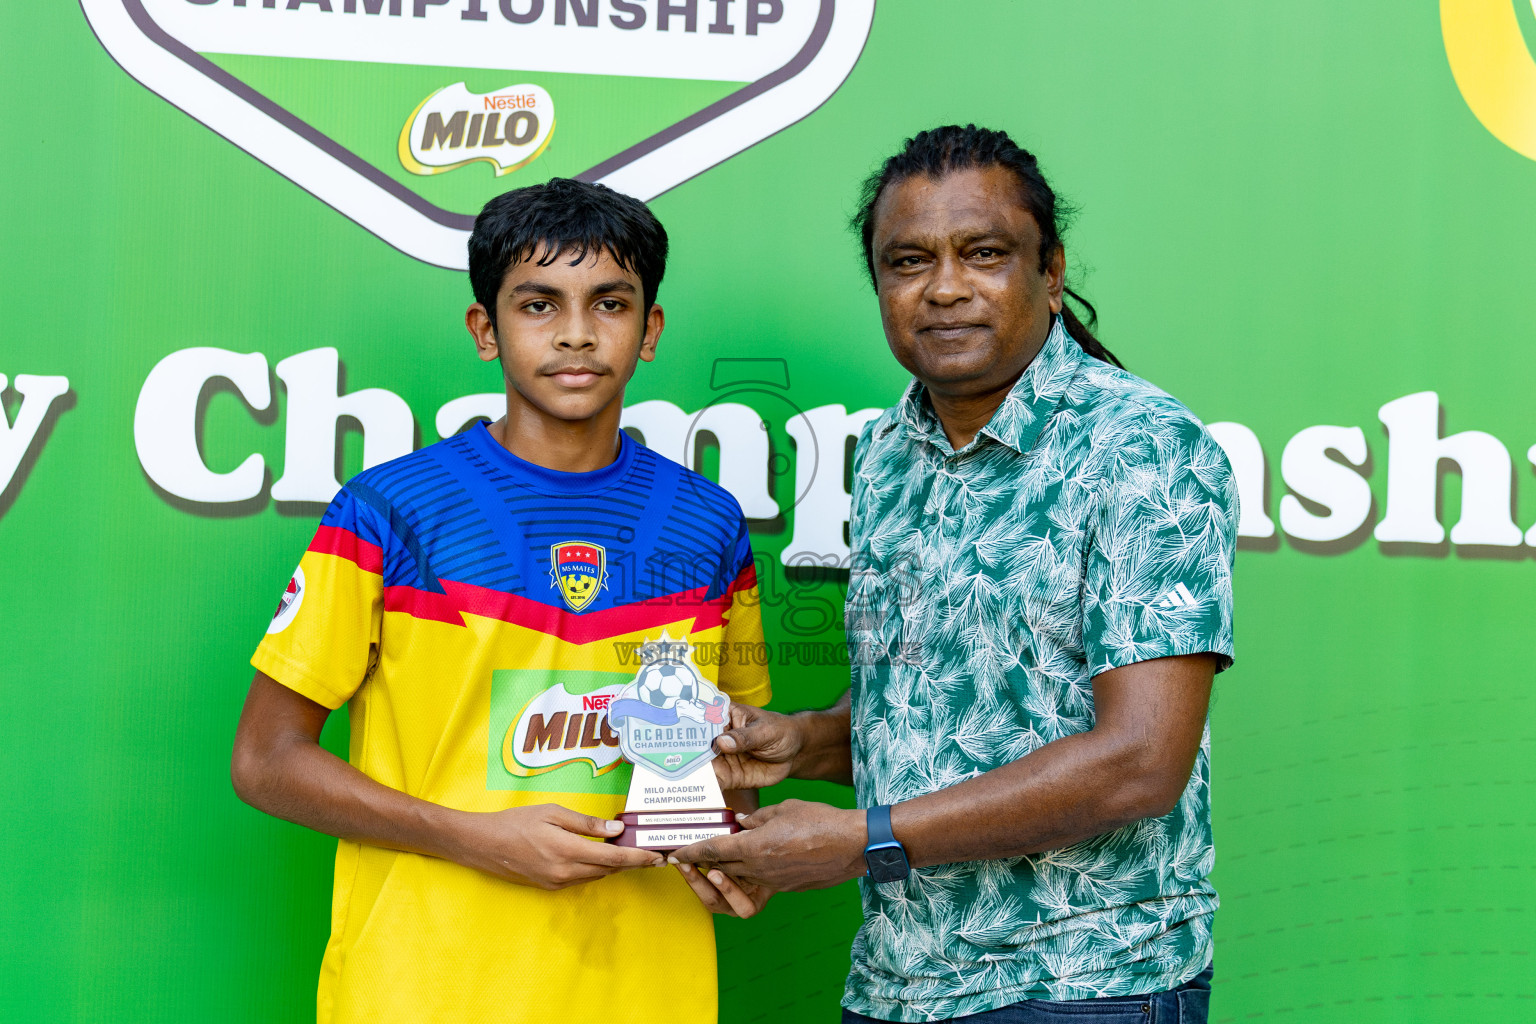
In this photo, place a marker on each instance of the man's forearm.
(825, 753)
(1133, 764)
(1072, 789)
(1069, 790)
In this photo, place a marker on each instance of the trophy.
(667, 719)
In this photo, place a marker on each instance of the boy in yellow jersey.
(476, 604)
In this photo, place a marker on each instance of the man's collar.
(1021, 417)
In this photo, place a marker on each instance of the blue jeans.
(1187, 1004)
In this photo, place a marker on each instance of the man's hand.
(757, 749)
(721, 894)
(787, 847)
(545, 846)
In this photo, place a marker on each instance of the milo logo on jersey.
(558, 728)
(549, 730)
(407, 115)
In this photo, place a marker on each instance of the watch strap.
(878, 821)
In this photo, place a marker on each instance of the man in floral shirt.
(1039, 599)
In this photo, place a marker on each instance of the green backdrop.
(1289, 217)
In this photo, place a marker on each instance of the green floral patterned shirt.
(1091, 524)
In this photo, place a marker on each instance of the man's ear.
(483, 331)
(1056, 277)
(655, 320)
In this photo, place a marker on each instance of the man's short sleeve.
(325, 634)
(1159, 573)
(744, 667)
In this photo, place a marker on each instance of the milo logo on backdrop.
(407, 115)
(454, 127)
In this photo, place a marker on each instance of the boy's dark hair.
(564, 216)
(940, 151)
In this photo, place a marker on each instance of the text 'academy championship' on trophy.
(667, 719)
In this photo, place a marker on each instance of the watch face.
(887, 863)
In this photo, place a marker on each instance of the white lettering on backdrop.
(165, 423)
(1311, 474)
(1324, 468)
(38, 393)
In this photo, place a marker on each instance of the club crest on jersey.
(579, 569)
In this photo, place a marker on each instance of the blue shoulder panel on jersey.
(465, 509)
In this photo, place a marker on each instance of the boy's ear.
(655, 320)
(478, 321)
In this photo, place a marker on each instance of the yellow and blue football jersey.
(476, 613)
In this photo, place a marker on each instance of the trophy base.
(672, 830)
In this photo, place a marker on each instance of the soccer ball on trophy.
(663, 684)
(667, 719)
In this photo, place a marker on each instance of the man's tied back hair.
(564, 218)
(940, 151)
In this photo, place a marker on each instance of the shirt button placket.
(931, 512)
(932, 550)
(945, 492)
(937, 538)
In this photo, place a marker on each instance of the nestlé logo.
(454, 127)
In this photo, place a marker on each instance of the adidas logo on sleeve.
(1177, 598)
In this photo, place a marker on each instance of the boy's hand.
(722, 894)
(545, 846)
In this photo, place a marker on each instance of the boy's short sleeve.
(744, 668)
(1159, 575)
(324, 637)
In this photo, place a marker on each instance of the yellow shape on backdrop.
(1493, 68)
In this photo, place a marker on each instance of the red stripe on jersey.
(423, 604)
(745, 580)
(333, 540)
(466, 598)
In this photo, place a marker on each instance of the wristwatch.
(886, 858)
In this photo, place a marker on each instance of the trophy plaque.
(667, 719)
